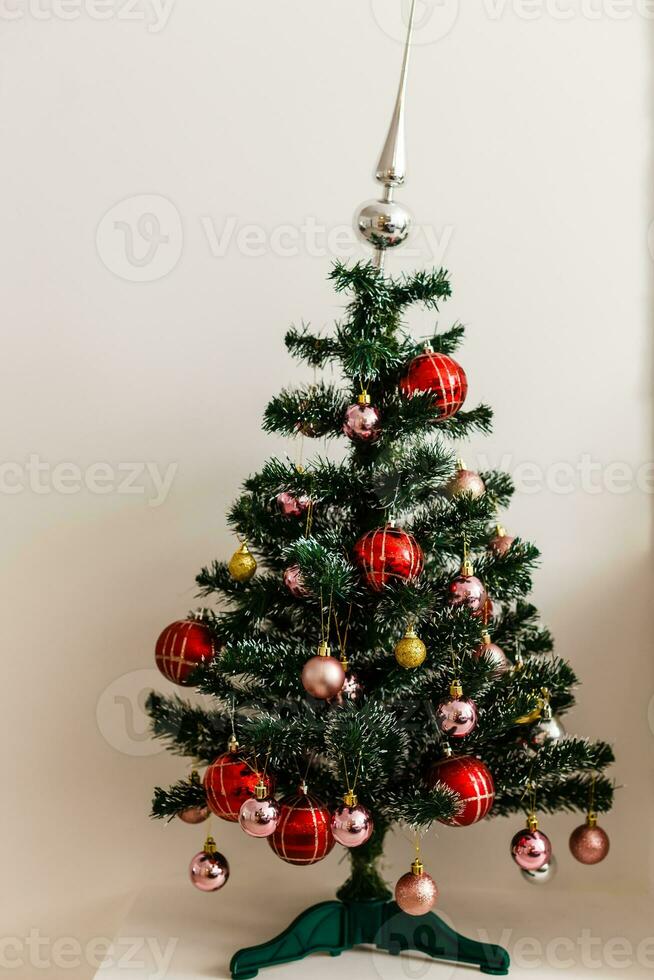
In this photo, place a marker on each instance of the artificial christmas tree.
(363, 555)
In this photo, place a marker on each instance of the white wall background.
(529, 166)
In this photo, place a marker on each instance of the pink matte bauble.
(416, 894)
(352, 825)
(589, 844)
(323, 677)
(362, 423)
(194, 814)
(259, 818)
(500, 544)
(457, 717)
(530, 849)
(466, 481)
(292, 506)
(294, 582)
(468, 591)
(209, 871)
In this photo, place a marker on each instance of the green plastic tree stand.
(333, 927)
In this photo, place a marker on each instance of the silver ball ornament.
(541, 876)
(547, 730)
(384, 224)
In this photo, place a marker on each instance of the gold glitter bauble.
(410, 651)
(242, 565)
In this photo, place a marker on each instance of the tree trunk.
(365, 883)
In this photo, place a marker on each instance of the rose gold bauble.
(352, 823)
(208, 869)
(497, 655)
(351, 691)
(362, 423)
(465, 481)
(589, 844)
(294, 582)
(259, 815)
(416, 892)
(501, 543)
(530, 849)
(323, 677)
(194, 814)
(292, 506)
(457, 717)
(467, 591)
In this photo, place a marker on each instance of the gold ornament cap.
(324, 649)
(233, 744)
(209, 845)
(500, 531)
(486, 638)
(460, 464)
(591, 819)
(456, 689)
(350, 799)
(467, 568)
(532, 822)
(417, 867)
(260, 791)
(364, 398)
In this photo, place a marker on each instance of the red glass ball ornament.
(472, 780)
(303, 834)
(292, 506)
(388, 554)
(500, 544)
(441, 376)
(457, 717)
(294, 582)
(499, 659)
(467, 591)
(228, 782)
(362, 423)
(531, 849)
(323, 676)
(208, 869)
(416, 892)
(589, 844)
(181, 648)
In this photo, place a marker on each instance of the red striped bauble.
(303, 834)
(181, 648)
(388, 554)
(228, 782)
(472, 780)
(439, 375)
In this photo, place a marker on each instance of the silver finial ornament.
(391, 169)
(385, 224)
